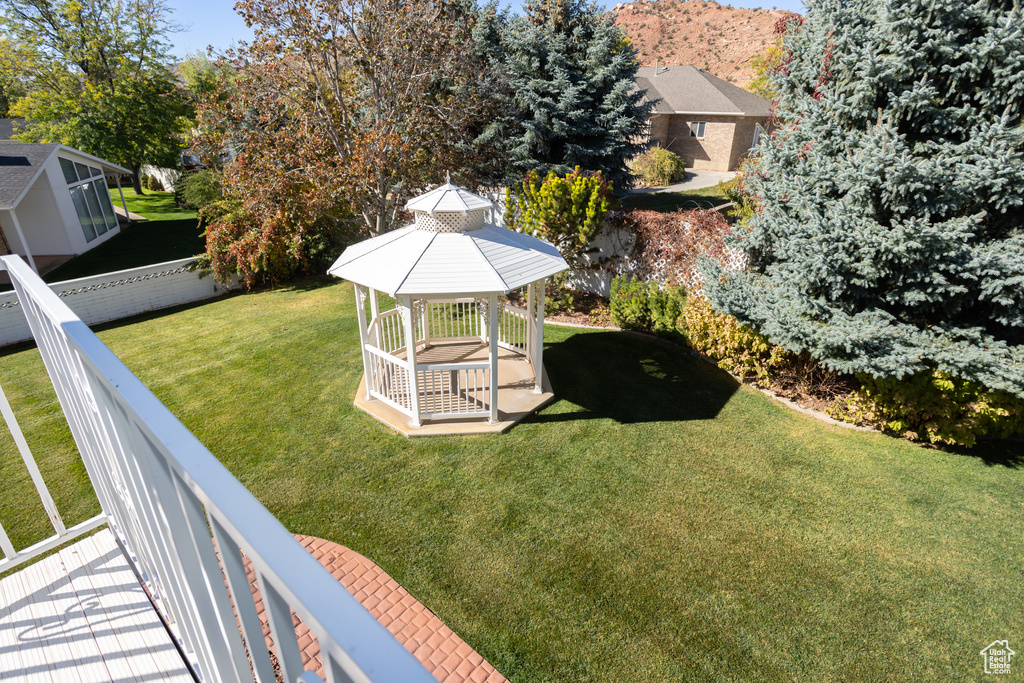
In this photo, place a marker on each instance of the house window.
(697, 129)
(90, 197)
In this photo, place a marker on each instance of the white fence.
(168, 499)
(112, 296)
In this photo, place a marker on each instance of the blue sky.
(214, 22)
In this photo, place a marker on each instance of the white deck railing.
(168, 499)
(12, 556)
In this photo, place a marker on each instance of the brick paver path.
(422, 633)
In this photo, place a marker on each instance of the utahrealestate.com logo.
(997, 657)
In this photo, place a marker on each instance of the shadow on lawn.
(632, 379)
(1005, 452)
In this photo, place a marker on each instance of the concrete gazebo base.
(516, 396)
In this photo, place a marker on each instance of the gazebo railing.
(385, 331)
(452, 319)
(462, 389)
(514, 331)
(454, 390)
(388, 379)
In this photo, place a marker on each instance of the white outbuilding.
(452, 355)
(54, 201)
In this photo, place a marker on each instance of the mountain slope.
(717, 38)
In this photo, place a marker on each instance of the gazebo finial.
(447, 178)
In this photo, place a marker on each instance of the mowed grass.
(703, 198)
(171, 233)
(656, 523)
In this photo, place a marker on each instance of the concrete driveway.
(695, 180)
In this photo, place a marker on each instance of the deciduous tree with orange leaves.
(338, 112)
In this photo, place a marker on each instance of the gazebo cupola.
(452, 352)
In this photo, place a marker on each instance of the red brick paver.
(441, 651)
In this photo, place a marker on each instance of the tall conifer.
(890, 233)
(571, 72)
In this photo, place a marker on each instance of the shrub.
(198, 189)
(559, 297)
(630, 304)
(742, 204)
(566, 211)
(151, 183)
(658, 166)
(934, 407)
(647, 307)
(265, 247)
(666, 306)
(667, 245)
(737, 348)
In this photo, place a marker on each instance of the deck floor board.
(81, 615)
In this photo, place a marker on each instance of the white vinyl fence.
(112, 296)
(169, 501)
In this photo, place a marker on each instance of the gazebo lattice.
(448, 273)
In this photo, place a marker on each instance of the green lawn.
(170, 233)
(704, 198)
(658, 522)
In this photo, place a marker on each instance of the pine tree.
(890, 233)
(573, 103)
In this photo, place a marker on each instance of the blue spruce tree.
(573, 102)
(889, 236)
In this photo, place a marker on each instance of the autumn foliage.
(666, 246)
(336, 114)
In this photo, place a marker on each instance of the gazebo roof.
(423, 262)
(447, 198)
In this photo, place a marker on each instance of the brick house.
(708, 122)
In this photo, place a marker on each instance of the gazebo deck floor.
(516, 397)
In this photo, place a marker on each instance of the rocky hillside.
(717, 38)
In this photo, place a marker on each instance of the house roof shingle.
(687, 89)
(20, 163)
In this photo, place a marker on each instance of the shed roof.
(418, 262)
(22, 162)
(688, 90)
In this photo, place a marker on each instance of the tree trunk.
(137, 179)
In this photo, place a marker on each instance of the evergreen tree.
(890, 233)
(573, 102)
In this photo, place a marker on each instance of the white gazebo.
(452, 356)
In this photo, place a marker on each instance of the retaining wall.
(112, 296)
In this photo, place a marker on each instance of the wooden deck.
(80, 615)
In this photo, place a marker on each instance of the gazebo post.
(410, 357)
(531, 324)
(424, 319)
(492, 348)
(363, 335)
(374, 304)
(538, 340)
